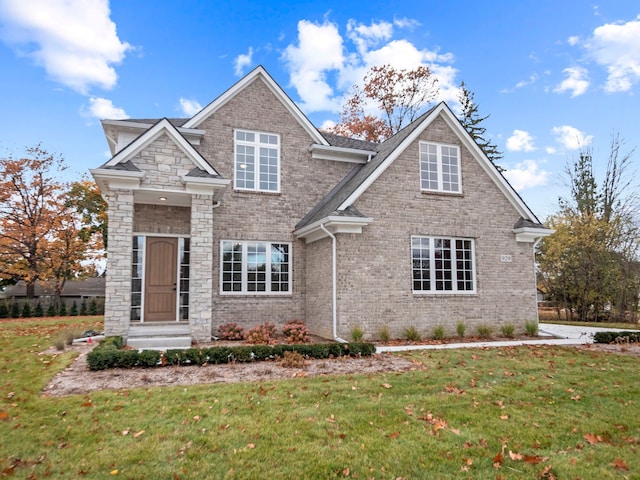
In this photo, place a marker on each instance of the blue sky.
(553, 75)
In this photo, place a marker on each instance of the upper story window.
(440, 168)
(257, 161)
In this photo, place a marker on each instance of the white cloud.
(616, 46)
(103, 108)
(319, 51)
(323, 69)
(571, 138)
(577, 81)
(520, 141)
(189, 106)
(242, 61)
(526, 175)
(573, 40)
(75, 41)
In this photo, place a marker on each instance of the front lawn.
(509, 413)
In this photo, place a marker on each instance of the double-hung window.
(257, 161)
(255, 267)
(440, 168)
(443, 265)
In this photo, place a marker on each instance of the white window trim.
(440, 188)
(432, 276)
(256, 144)
(244, 291)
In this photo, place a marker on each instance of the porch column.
(201, 268)
(118, 282)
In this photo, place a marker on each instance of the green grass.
(573, 413)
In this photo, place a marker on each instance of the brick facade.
(374, 268)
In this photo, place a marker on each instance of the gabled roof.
(363, 176)
(257, 73)
(164, 126)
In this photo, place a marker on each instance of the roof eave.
(340, 154)
(530, 234)
(334, 224)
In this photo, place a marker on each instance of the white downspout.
(334, 280)
(535, 278)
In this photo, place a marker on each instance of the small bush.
(59, 343)
(508, 330)
(460, 329)
(83, 307)
(38, 311)
(230, 331)
(4, 310)
(126, 358)
(616, 337)
(356, 334)
(531, 328)
(412, 334)
(357, 349)
(175, 357)
(26, 309)
(438, 333)
(74, 309)
(102, 358)
(149, 358)
(62, 311)
(384, 334)
(15, 310)
(484, 331)
(295, 332)
(262, 334)
(292, 360)
(51, 310)
(93, 307)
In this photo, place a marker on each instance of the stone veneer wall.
(201, 267)
(118, 283)
(161, 219)
(375, 268)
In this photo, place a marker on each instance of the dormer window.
(257, 161)
(440, 168)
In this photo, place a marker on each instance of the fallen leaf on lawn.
(4, 416)
(592, 438)
(386, 385)
(394, 435)
(125, 432)
(547, 474)
(620, 464)
(138, 434)
(504, 417)
(515, 456)
(455, 431)
(576, 398)
(534, 459)
(11, 394)
(251, 445)
(439, 424)
(196, 418)
(114, 472)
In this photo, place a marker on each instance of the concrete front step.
(159, 336)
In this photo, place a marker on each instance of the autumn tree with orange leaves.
(40, 230)
(398, 94)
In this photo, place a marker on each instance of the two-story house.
(247, 213)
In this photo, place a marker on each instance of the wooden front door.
(160, 279)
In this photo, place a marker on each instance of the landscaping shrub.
(108, 354)
(460, 329)
(62, 311)
(438, 333)
(74, 309)
(93, 307)
(384, 334)
(149, 358)
(4, 310)
(38, 311)
(15, 310)
(26, 309)
(610, 337)
(531, 328)
(484, 331)
(230, 331)
(295, 332)
(51, 310)
(411, 334)
(508, 330)
(356, 334)
(262, 334)
(292, 360)
(83, 307)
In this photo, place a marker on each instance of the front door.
(160, 279)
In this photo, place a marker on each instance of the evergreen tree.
(4, 310)
(15, 310)
(471, 120)
(39, 311)
(26, 309)
(62, 311)
(83, 307)
(74, 309)
(93, 307)
(51, 310)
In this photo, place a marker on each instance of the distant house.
(247, 213)
(74, 290)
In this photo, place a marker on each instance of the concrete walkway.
(549, 334)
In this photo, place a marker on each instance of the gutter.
(334, 280)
